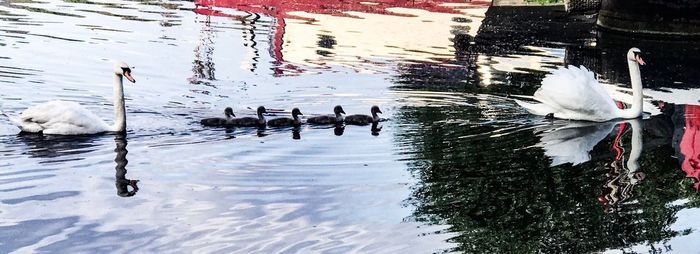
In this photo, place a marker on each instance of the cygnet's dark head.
(338, 110)
(229, 112)
(296, 112)
(375, 110)
(261, 110)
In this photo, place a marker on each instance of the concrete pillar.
(651, 17)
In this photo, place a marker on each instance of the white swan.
(70, 118)
(574, 93)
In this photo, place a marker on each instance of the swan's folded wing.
(58, 115)
(575, 89)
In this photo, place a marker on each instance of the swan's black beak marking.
(638, 57)
(127, 74)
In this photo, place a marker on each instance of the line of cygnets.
(295, 120)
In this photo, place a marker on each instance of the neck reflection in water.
(623, 177)
(122, 183)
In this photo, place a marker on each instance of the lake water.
(457, 166)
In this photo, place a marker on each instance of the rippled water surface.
(456, 167)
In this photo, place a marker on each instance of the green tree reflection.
(498, 193)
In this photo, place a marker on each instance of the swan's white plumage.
(60, 118)
(572, 93)
(70, 118)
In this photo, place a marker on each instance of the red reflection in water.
(690, 144)
(280, 9)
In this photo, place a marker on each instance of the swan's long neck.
(637, 96)
(119, 108)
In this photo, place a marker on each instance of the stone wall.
(581, 5)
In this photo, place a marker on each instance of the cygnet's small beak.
(129, 77)
(380, 111)
(342, 111)
(639, 59)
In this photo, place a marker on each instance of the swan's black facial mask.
(638, 58)
(127, 74)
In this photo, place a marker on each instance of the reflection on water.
(573, 142)
(685, 120)
(458, 167)
(203, 64)
(49, 147)
(122, 182)
(582, 204)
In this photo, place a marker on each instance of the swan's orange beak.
(129, 77)
(639, 59)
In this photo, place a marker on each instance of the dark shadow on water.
(670, 62)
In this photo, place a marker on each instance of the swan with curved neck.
(70, 118)
(573, 93)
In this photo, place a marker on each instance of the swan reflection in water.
(621, 177)
(678, 125)
(70, 148)
(122, 183)
(48, 147)
(573, 143)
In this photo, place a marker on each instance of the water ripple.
(456, 165)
